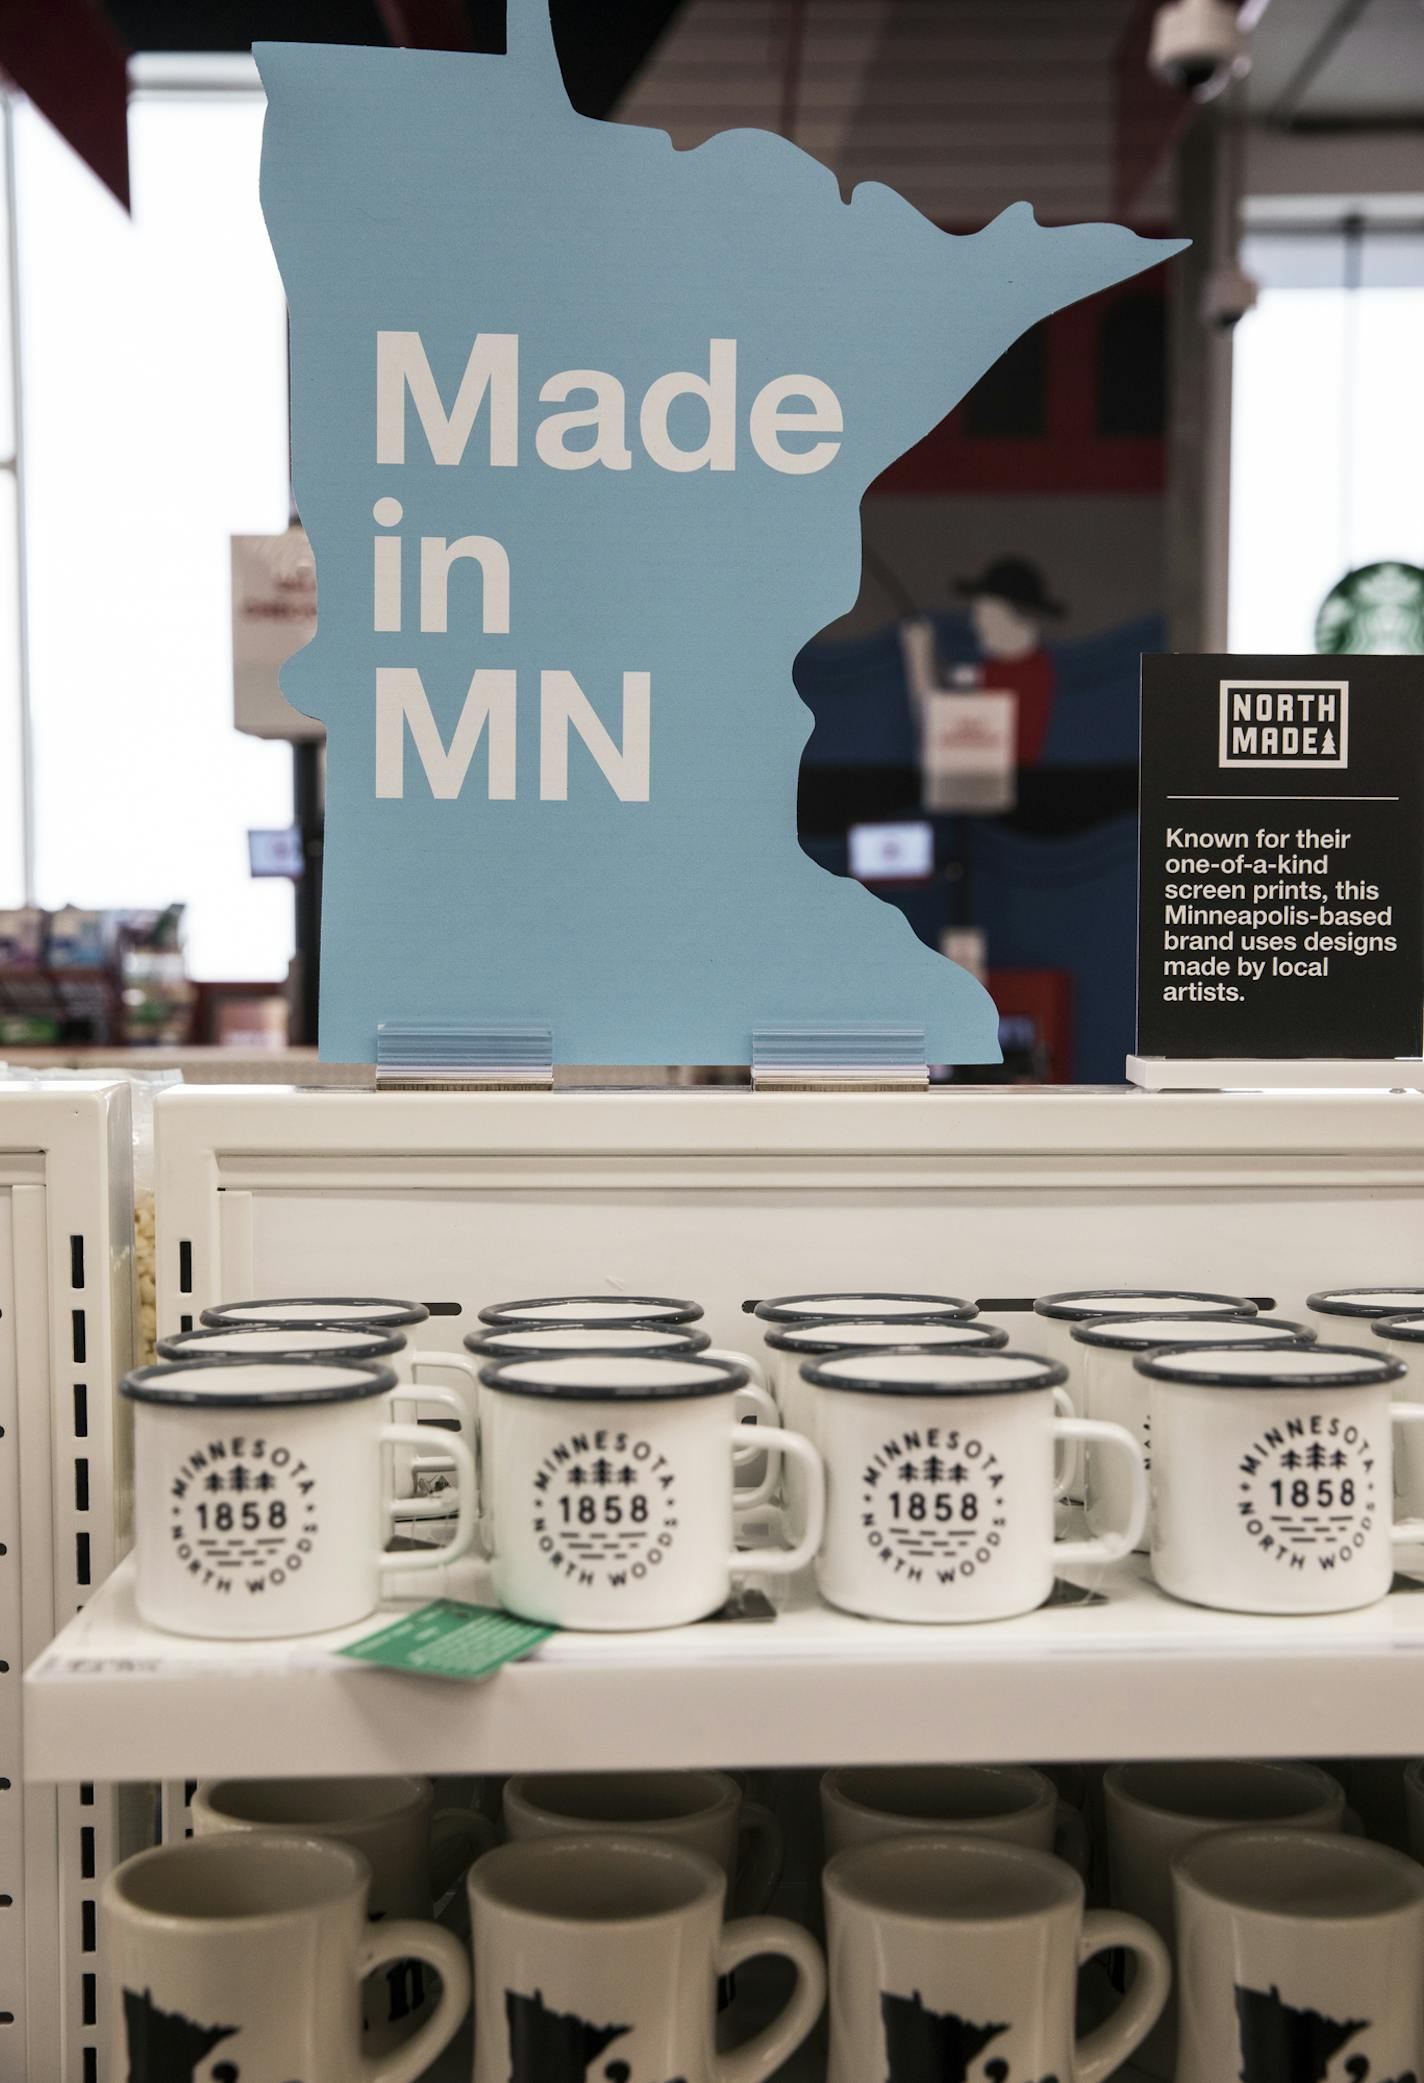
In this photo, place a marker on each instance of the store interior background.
(1174, 479)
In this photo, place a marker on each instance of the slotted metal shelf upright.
(66, 1333)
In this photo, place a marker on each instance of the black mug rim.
(988, 1337)
(383, 1311)
(1323, 1302)
(1097, 1332)
(1053, 1374)
(1061, 1307)
(671, 1309)
(780, 1309)
(721, 1377)
(381, 1345)
(686, 1338)
(1157, 1366)
(147, 1384)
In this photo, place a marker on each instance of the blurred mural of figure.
(1009, 605)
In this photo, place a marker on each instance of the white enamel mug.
(1359, 1306)
(1055, 1315)
(348, 1341)
(781, 1313)
(1112, 1389)
(611, 1495)
(940, 1484)
(383, 1313)
(1272, 1476)
(755, 1404)
(1404, 1336)
(790, 1347)
(258, 1495)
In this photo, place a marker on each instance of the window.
(155, 426)
(1327, 419)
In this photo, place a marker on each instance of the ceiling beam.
(1346, 16)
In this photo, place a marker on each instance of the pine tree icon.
(264, 1480)
(239, 1479)
(1290, 1458)
(214, 1481)
(908, 1472)
(933, 1470)
(959, 1473)
(1327, 744)
(1339, 1459)
(576, 1474)
(1315, 1456)
(602, 1471)
(627, 1474)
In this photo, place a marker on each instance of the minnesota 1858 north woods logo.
(1307, 1492)
(932, 1505)
(605, 1508)
(1285, 723)
(242, 1514)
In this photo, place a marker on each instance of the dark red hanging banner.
(74, 68)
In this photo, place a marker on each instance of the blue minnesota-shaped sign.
(581, 426)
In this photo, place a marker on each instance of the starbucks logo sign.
(1307, 1493)
(932, 1505)
(243, 1515)
(605, 1508)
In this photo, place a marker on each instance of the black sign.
(1281, 892)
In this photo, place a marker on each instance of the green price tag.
(447, 1639)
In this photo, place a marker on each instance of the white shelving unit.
(462, 1199)
(66, 1290)
(1136, 1676)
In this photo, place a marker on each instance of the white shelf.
(1136, 1676)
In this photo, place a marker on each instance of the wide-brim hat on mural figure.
(555, 762)
(1017, 581)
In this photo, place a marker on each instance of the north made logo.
(1285, 723)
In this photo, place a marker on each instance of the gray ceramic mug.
(242, 1956)
(703, 1811)
(866, 1804)
(1156, 1811)
(599, 1956)
(1301, 1956)
(416, 1853)
(949, 1951)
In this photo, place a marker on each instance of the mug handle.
(747, 1939)
(1070, 1459)
(1406, 1533)
(461, 1363)
(1108, 1547)
(1105, 2049)
(458, 1836)
(408, 1939)
(466, 1503)
(760, 1850)
(735, 1359)
(784, 1562)
(437, 1507)
(756, 1494)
